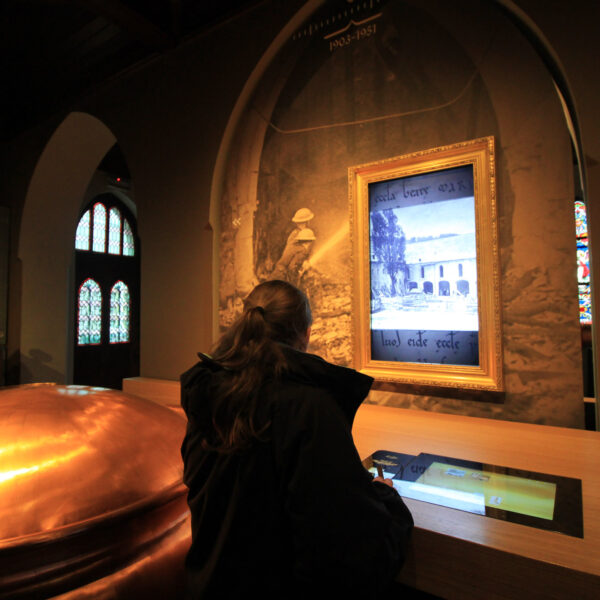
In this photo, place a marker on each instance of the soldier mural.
(294, 260)
(301, 219)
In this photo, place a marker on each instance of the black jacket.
(295, 514)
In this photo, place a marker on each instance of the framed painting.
(426, 292)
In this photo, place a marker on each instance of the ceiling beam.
(129, 21)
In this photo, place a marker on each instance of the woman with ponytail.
(281, 505)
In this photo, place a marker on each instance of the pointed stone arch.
(51, 209)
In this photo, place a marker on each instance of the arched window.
(112, 236)
(119, 313)
(89, 319)
(462, 286)
(106, 325)
(444, 288)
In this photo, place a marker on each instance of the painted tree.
(388, 245)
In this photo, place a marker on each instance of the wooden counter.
(462, 555)
(458, 555)
(162, 391)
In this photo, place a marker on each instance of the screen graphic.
(423, 257)
(495, 490)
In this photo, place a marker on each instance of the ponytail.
(275, 313)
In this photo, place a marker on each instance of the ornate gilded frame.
(481, 366)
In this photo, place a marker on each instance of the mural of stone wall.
(388, 79)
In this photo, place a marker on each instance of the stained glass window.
(583, 261)
(580, 219)
(99, 233)
(90, 313)
(128, 243)
(119, 313)
(114, 231)
(82, 236)
(583, 264)
(585, 304)
(120, 235)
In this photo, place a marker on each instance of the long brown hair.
(275, 313)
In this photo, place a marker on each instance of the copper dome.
(90, 487)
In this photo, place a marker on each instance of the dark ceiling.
(54, 51)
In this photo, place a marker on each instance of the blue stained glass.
(119, 313)
(99, 234)
(82, 236)
(114, 231)
(585, 304)
(128, 243)
(90, 313)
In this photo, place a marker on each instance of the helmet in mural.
(303, 215)
(306, 235)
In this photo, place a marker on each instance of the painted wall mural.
(388, 79)
(302, 240)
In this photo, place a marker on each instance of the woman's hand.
(386, 481)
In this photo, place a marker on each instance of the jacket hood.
(347, 387)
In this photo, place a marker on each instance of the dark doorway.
(462, 285)
(107, 294)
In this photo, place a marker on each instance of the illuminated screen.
(423, 268)
(496, 490)
(535, 499)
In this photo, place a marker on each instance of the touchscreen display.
(535, 499)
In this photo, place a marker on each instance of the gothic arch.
(50, 215)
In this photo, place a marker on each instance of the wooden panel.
(161, 391)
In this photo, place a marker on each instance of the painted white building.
(444, 266)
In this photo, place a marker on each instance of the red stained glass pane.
(583, 261)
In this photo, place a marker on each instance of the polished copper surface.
(90, 492)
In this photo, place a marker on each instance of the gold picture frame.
(426, 285)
